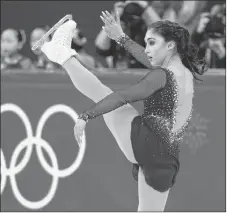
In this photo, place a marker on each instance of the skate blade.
(39, 43)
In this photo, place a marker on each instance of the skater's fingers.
(110, 16)
(105, 21)
(106, 18)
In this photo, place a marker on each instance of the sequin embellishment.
(160, 111)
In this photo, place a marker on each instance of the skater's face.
(36, 35)
(157, 49)
(10, 44)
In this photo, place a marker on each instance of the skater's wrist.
(84, 117)
(122, 39)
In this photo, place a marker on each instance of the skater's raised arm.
(115, 32)
(149, 84)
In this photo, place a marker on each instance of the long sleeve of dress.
(152, 82)
(137, 51)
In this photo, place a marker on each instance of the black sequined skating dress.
(155, 144)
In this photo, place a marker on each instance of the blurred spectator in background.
(189, 13)
(12, 41)
(186, 13)
(210, 36)
(207, 29)
(135, 16)
(166, 9)
(78, 43)
(41, 61)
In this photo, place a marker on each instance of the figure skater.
(149, 141)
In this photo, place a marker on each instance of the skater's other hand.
(79, 130)
(112, 27)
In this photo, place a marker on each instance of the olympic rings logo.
(29, 142)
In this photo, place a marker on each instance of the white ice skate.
(59, 49)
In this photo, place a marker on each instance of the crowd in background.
(206, 26)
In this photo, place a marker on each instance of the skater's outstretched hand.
(112, 27)
(79, 130)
